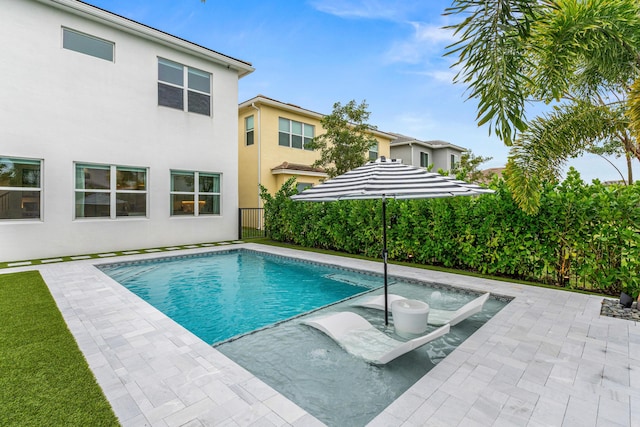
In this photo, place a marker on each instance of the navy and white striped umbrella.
(388, 178)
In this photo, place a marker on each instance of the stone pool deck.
(547, 359)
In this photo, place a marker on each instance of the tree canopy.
(347, 138)
(581, 56)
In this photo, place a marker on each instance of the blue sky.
(313, 53)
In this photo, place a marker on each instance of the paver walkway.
(547, 359)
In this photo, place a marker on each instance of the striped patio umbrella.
(383, 179)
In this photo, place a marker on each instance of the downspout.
(257, 130)
(411, 155)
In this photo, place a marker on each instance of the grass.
(44, 378)
(102, 255)
(267, 241)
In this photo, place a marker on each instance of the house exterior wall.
(266, 153)
(403, 152)
(440, 160)
(64, 107)
(417, 150)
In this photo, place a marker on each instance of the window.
(301, 186)
(20, 188)
(87, 44)
(248, 130)
(294, 134)
(195, 193)
(424, 159)
(373, 152)
(171, 87)
(454, 161)
(108, 191)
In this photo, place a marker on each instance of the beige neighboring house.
(441, 154)
(272, 138)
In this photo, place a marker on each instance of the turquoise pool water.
(221, 295)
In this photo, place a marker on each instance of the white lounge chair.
(360, 338)
(436, 316)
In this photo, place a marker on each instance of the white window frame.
(195, 194)
(112, 191)
(290, 133)
(185, 86)
(6, 191)
(373, 151)
(249, 130)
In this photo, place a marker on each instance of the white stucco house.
(436, 153)
(113, 135)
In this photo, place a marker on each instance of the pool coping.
(547, 358)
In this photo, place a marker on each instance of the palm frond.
(490, 57)
(584, 45)
(543, 150)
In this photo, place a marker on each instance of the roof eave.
(132, 27)
(298, 172)
(260, 99)
(428, 145)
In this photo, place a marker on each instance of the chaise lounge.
(436, 316)
(361, 339)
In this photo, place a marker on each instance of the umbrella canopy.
(388, 178)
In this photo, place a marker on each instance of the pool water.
(221, 295)
(339, 389)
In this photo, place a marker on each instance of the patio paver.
(547, 358)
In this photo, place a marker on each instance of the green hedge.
(585, 236)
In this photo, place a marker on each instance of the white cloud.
(426, 41)
(442, 76)
(365, 9)
(417, 125)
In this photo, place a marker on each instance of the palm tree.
(580, 56)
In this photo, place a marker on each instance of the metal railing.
(251, 223)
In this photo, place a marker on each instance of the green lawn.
(44, 378)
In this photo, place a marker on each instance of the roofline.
(261, 99)
(429, 145)
(285, 171)
(130, 26)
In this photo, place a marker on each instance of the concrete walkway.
(547, 359)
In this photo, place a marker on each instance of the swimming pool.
(221, 295)
(300, 362)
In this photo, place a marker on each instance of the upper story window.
(108, 191)
(20, 188)
(194, 96)
(424, 159)
(294, 134)
(248, 130)
(195, 193)
(89, 45)
(373, 152)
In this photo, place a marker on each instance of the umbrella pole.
(384, 259)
